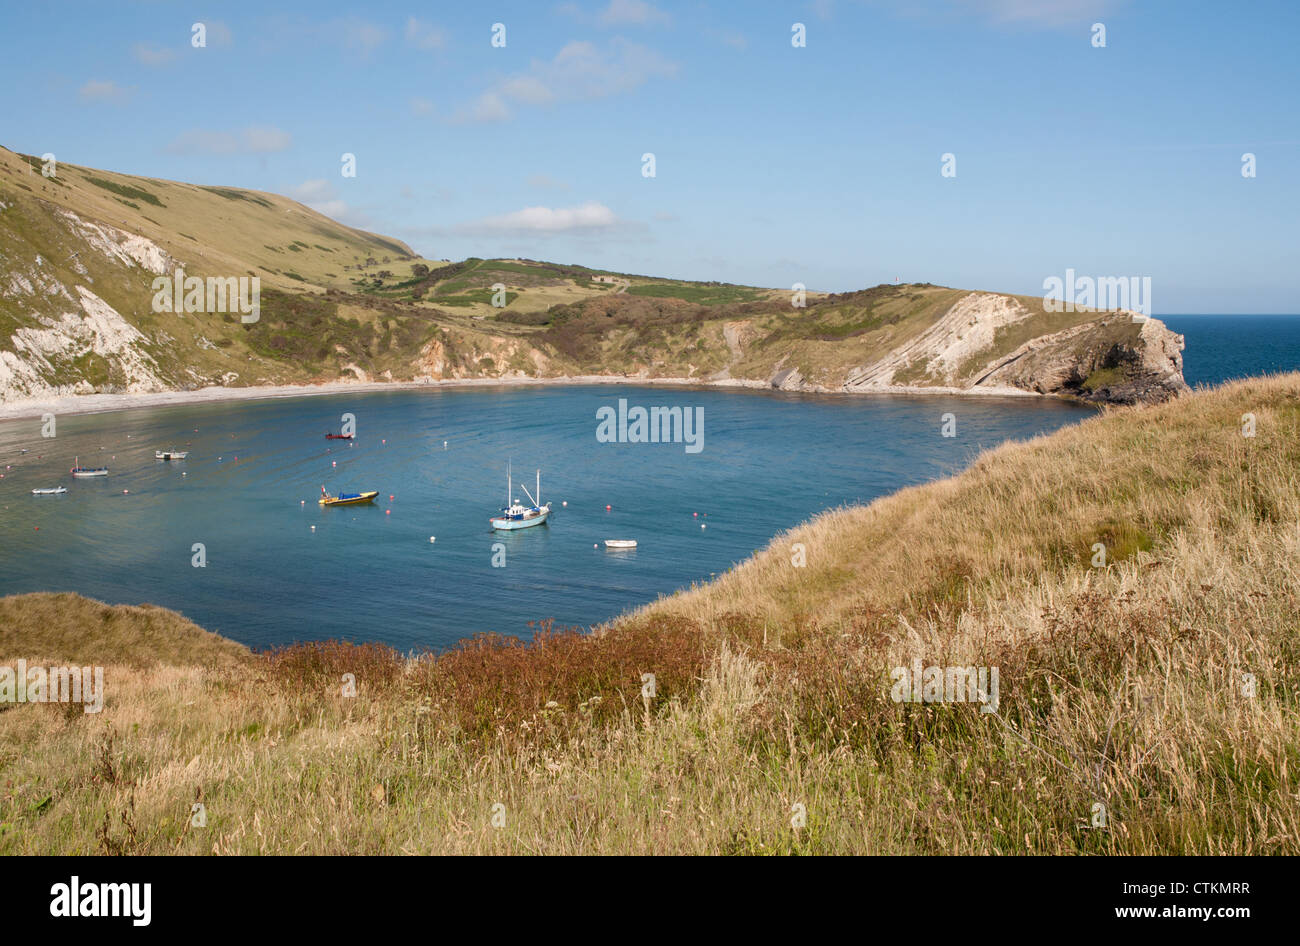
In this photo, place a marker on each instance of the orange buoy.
(608, 507)
(388, 512)
(390, 497)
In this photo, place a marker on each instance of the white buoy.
(313, 528)
(444, 445)
(431, 538)
(565, 503)
(703, 526)
(335, 463)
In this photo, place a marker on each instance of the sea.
(233, 537)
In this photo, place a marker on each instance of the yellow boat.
(346, 499)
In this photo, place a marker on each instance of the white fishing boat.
(620, 543)
(84, 471)
(515, 515)
(49, 491)
(170, 454)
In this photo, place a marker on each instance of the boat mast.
(539, 489)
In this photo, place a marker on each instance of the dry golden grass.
(67, 627)
(1123, 686)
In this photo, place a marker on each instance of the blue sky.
(774, 164)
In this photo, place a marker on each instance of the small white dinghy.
(49, 491)
(620, 543)
(170, 454)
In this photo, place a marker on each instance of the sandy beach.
(104, 403)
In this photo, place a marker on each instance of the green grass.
(124, 190)
(701, 294)
(232, 194)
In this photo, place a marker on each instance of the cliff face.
(79, 257)
(1113, 360)
(1119, 357)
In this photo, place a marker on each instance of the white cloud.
(320, 195)
(313, 191)
(632, 13)
(488, 107)
(148, 55)
(581, 71)
(423, 35)
(529, 90)
(421, 106)
(251, 140)
(106, 91)
(588, 217)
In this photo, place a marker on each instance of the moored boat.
(620, 543)
(338, 436)
(346, 499)
(84, 471)
(170, 454)
(515, 515)
(49, 491)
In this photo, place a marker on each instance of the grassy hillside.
(79, 252)
(1160, 683)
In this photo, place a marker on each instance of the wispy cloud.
(617, 13)
(219, 33)
(320, 195)
(423, 35)
(251, 140)
(1039, 14)
(545, 221)
(148, 55)
(581, 71)
(632, 13)
(105, 91)
(356, 36)
(544, 182)
(421, 106)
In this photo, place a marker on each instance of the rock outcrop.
(1119, 357)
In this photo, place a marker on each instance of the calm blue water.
(769, 462)
(1224, 347)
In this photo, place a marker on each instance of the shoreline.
(65, 404)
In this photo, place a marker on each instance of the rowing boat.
(83, 471)
(347, 499)
(620, 543)
(49, 491)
